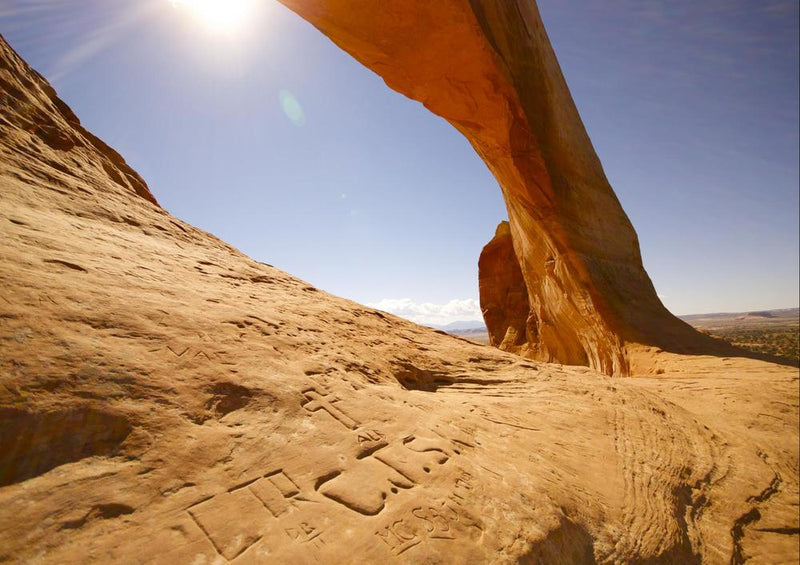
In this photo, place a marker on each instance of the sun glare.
(223, 16)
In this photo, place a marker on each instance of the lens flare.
(292, 108)
(223, 16)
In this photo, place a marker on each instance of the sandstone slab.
(166, 399)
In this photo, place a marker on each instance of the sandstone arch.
(488, 68)
(158, 384)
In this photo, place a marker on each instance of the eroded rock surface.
(487, 67)
(166, 399)
(503, 294)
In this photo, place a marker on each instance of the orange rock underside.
(487, 67)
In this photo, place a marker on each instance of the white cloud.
(428, 313)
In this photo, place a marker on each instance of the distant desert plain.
(165, 398)
(772, 332)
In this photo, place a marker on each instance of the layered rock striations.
(487, 67)
(166, 399)
(45, 131)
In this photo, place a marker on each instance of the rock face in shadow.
(487, 67)
(166, 399)
(503, 294)
(34, 443)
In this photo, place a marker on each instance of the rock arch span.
(487, 67)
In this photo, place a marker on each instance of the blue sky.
(273, 139)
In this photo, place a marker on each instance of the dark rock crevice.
(32, 443)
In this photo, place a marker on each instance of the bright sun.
(224, 16)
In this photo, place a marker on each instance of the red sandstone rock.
(36, 110)
(504, 297)
(166, 399)
(487, 67)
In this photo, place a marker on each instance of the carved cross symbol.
(316, 401)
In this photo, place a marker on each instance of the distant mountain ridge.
(784, 313)
(461, 326)
(472, 327)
